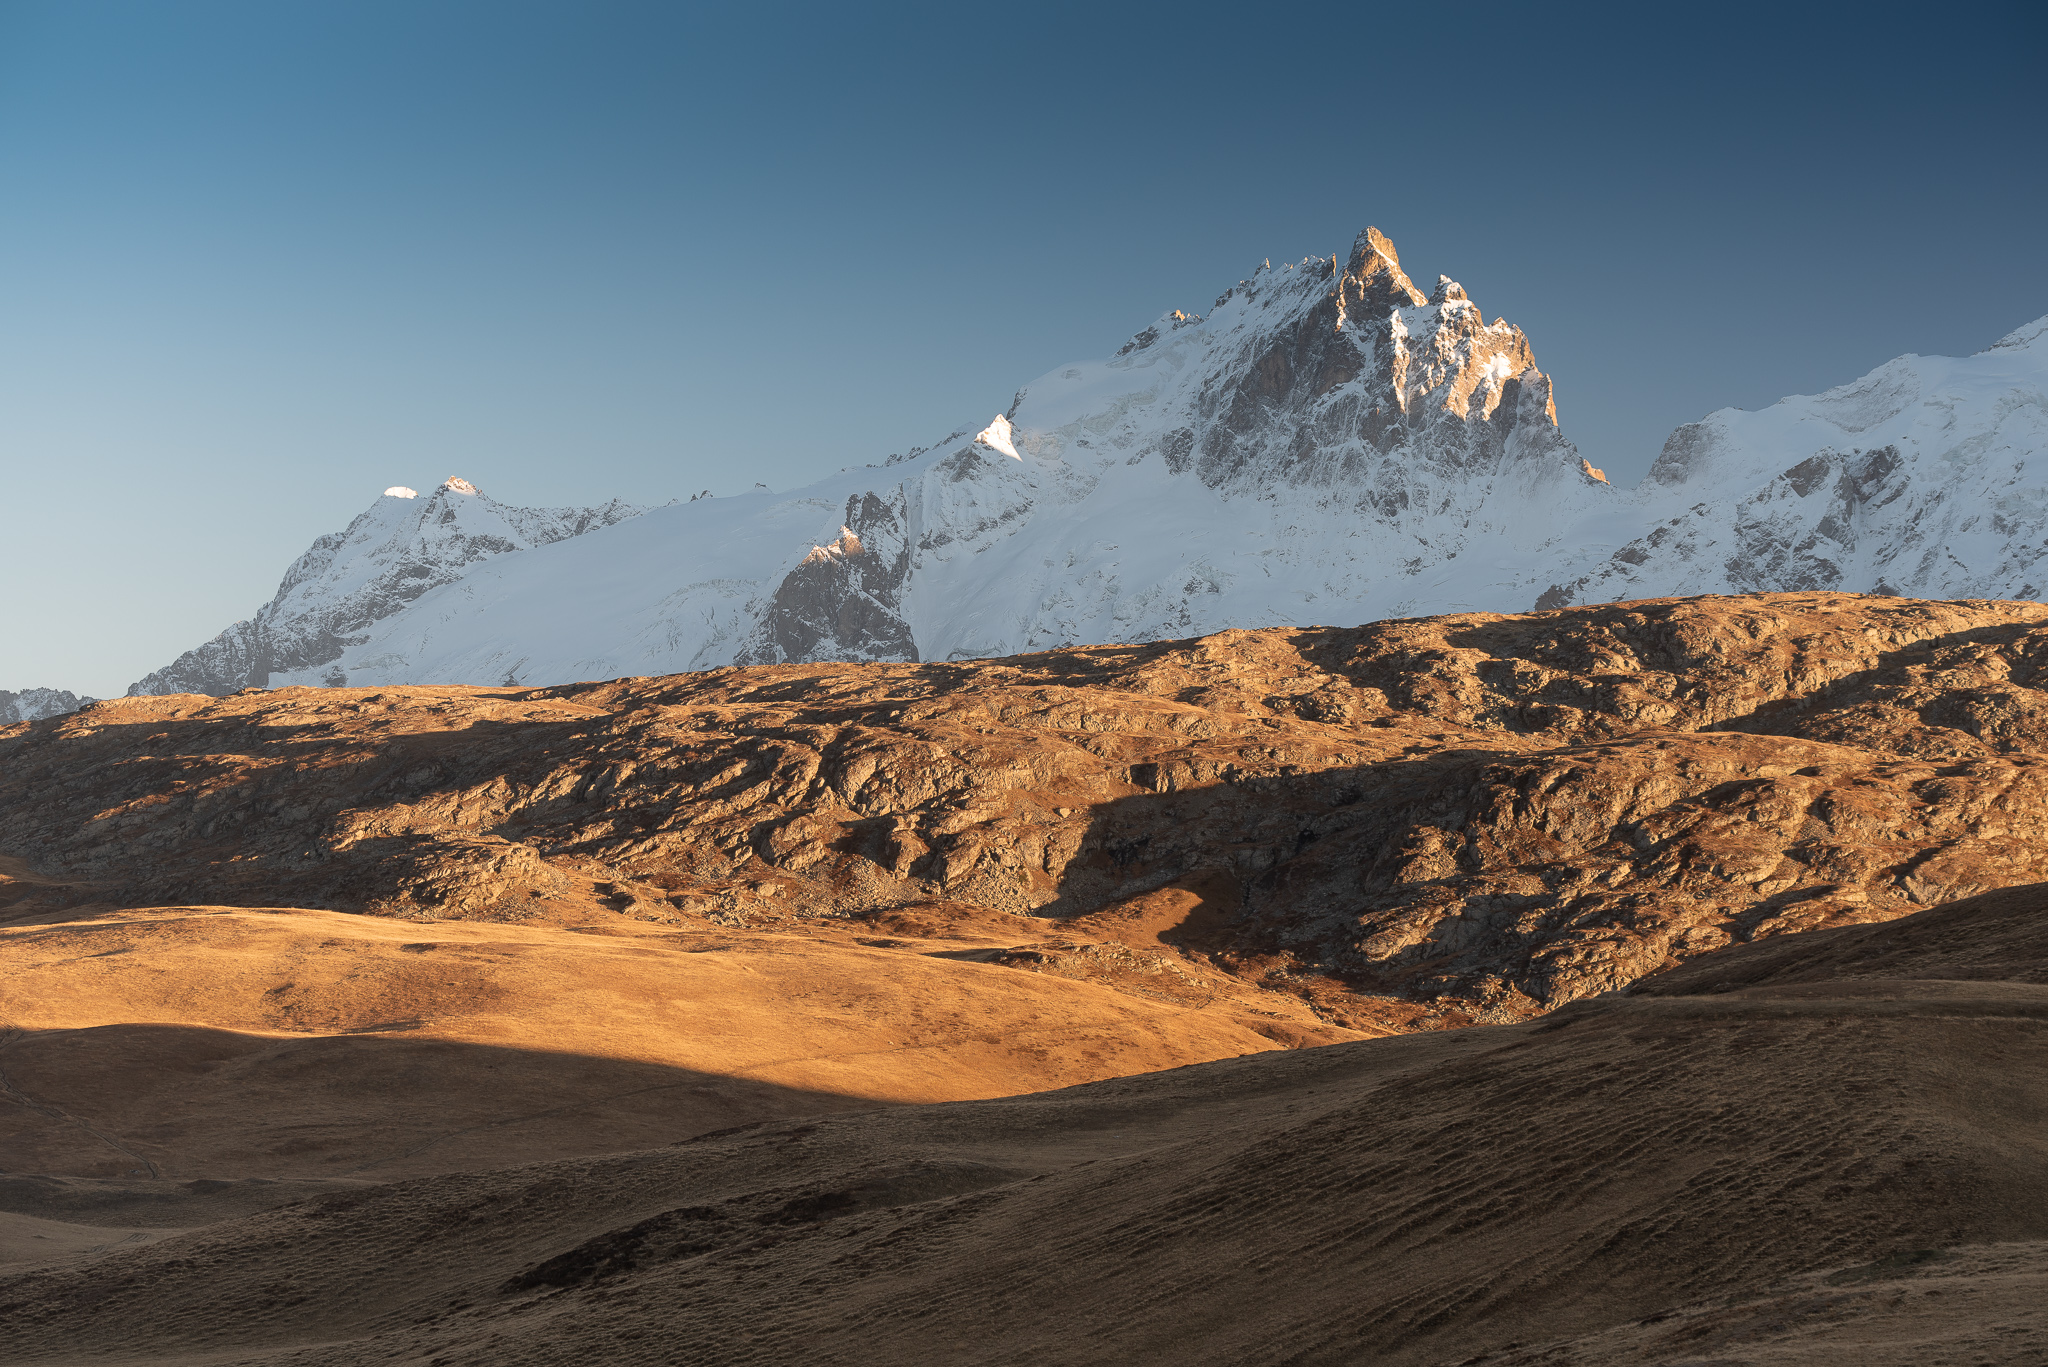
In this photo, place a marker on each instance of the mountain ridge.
(397, 550)
(1327, 444)
(35, 704)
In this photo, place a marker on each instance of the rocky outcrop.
(349, 581)
(842, 600)
(1370, 386)
(34, 704)
(1420, 822)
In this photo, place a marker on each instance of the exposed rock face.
(1417, 822)
(34, 704)
(841, 601)
(1371, 388)
(349, 581)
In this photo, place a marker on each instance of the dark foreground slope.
(1825, 1149)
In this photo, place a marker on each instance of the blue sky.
(259, 260)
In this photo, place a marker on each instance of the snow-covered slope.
(354, 579)
(1927, 478)
(34, 704)
(1326, 445)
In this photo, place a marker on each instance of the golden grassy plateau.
(573, 1024)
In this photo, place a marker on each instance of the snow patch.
(997, 436)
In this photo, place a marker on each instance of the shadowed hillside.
(1814, 1162)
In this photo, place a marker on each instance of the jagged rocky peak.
(1325, 444)
(1447, 290)
(37, 704)
(842, 600)
(1373, 276)
(1370, 385)
(1321, 445)
(999, 436)
(847, 544)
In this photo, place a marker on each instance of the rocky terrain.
(34, 704)
(1680, 964)
(1329, 443)
(1819, 1149)
(1406, 825)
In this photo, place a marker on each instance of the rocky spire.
(1369, 244)
(1373, 280)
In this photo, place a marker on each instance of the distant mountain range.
(34, 704)
(350, 582)
(1328, 444)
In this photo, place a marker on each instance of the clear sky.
(260, 259)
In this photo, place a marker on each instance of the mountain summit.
(1925, 478)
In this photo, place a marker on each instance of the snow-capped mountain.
(1326, 445)
(34, 704)
(352, 580)
(1322, 446)
(1926, 478)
